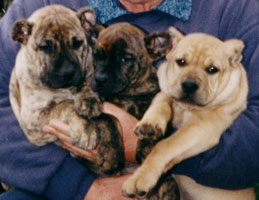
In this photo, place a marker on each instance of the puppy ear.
(21, 31)
(175, 35)
(234, 50)
(87, 18)
(159, 44)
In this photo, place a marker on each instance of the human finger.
(63, 137)
(86, 154)
(60, 126)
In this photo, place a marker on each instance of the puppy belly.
(190, 190)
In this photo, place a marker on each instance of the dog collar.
(110, 9)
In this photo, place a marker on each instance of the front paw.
(84, 134)
(110, 159)
(88, 107)
(149, 130)
(139, 184)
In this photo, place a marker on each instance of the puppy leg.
(87, 102)
(153, 125)
(200, 134)
(110, 157)
(83, 132)
(154, 122)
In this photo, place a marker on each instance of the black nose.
(101, 78)
(67, 72)
(189, 87)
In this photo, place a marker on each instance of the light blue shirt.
(110, 9)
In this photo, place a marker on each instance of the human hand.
(128, 123)
(61, 130)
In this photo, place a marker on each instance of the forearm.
(108, 188)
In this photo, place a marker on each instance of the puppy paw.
(110, 159)
(83, 134)
(140, 184)
(149, 130)
(88, 107)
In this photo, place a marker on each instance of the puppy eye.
(76, 43)
(181, 62)
(123, 60)
(212, 70)
(47, 47)
(126, 59)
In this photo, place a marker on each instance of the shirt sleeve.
(49, 170)
(234, 162)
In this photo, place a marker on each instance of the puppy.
(125, 76)
(203, 90)
(51, 68)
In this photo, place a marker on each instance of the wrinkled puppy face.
(120, 59)
(199, 68)
(55, 40)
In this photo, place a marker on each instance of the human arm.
(108, 188)
(48, 171)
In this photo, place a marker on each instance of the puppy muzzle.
(189, 90)
(63, 77)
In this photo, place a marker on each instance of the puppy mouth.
(188, 99)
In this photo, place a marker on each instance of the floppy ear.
(159, 44)
(21, 31)
(234, 50)
(87, 18)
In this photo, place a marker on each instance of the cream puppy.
(203, 90)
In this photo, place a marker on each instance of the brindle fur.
(52, 66)
(125, 76)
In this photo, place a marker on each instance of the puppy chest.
(181, 116)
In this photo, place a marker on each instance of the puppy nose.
(189, 87)
(67, 72)
(101, 78)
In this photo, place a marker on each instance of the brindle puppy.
(125, 76)
(52, 66)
